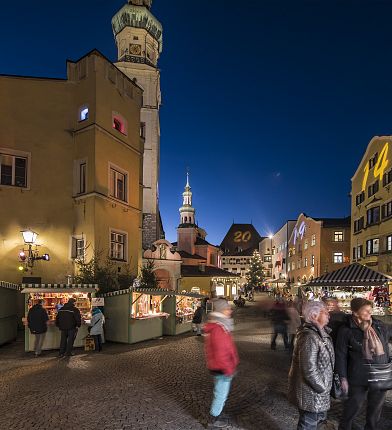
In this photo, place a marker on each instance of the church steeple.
(187, 212)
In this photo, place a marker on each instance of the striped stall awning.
(59, 288)
(354, 275)
(9, 285)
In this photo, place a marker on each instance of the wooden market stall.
(8, 311)
(54, 296)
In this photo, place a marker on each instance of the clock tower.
(138, 37)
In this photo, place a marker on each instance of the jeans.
(222, 385)
(198, 328)
(98, 342)
(310, 420)
(282, 329)
(356, 397)
(38, 342)
(67, 341)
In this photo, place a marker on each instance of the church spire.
(187, 212)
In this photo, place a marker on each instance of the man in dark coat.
(68, 320)
(280, 319)
(37, 319)
(198, 319)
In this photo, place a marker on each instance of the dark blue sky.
(270, 103)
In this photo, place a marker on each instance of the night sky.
(271, 104)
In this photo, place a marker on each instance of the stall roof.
(9, 285)
(354, 275)
(152, 291)
(60, 288)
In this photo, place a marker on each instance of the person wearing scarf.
(221, 356)
(362, 340)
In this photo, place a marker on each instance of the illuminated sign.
(240, 236)
(299, 232)
(379, 168)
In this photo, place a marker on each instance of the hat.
(357, 303)
(219, 305)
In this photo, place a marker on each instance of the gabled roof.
(354, 275)
(240, 237)
(209, 271)
(200, 241)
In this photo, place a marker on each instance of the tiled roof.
(185, 254)
(209, 271)
(335, 222)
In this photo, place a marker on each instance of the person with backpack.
(68, 320)
(361, 342)
(37, 320)
(222, 357)
(96, 327)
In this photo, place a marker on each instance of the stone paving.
(160, 384)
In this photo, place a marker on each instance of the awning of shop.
(60, 288)
(9, 285)
(354, 275)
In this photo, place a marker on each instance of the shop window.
(83, 113)
(338, 257)
(118, 242)
(78, 248)
(313, 243)
(373, 215)
(338, 236)
(389, 243)
(118, 184)
(386, 210)
(119, 123)
(13, 169)
(220, 290)
(372, 246)
(373, 188)
(360, 198)
(359, 224)
(146, 306)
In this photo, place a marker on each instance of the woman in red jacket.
(221, 355)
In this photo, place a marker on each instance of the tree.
(147, 275)
(254, 275)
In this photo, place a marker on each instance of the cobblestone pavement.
(160, 384)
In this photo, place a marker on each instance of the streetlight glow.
(29, 236)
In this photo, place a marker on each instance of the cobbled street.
(160, 384)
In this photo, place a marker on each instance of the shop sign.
(97, 301)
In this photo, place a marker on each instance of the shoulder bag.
(380, 376)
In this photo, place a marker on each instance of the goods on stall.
(185, 309)
(147, 306)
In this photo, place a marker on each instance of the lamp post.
(29, 256)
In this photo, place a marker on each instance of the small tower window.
(83, 113)
(119, 123)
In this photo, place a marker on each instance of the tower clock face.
(135, 49)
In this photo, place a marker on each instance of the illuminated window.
(306, 262)
(119, 123)
(13, 170)
(338, 257)
(78, 247)
(338, 236)
(312, 260)
(313, 243)
(359, 252)
(389, 243)
(118, 246)
(306, 244)
(372, 246)
(83, 113)
(386, 210)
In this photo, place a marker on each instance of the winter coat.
(279, 315)
(349, 355)
(221, 352)
(198, 316)
(68, 317)
(311, 372)
(36, 319)
(97, 322)
(336, 320)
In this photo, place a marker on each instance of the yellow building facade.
(371, 207)
(71, 169)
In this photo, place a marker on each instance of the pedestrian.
(96, 327)
(68, 320)
(311, 372)
(362, 340)
(198, 319)
(222, 357)
(280, 320)
(37, 320)
(337, 317)
(293, 325)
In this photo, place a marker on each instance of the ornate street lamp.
(29, 237)
(28, 256)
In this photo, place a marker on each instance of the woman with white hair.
(311, 373)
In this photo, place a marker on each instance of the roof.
(335, 222)
(354, 275)
(209, 271)
(240, 237)
(185, 254)
(200, 241)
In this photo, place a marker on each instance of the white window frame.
(73, 246)
(81, 110)
(389, 243)
(125, 244)
(338, 233)
(17, 154)
(121, 171)
(338, 257)
(77, 177)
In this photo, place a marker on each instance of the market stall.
(54, 296)
(8, 311)
(352, 281)
(181, 309)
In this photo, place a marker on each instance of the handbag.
(336, 389)
(380, 376)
